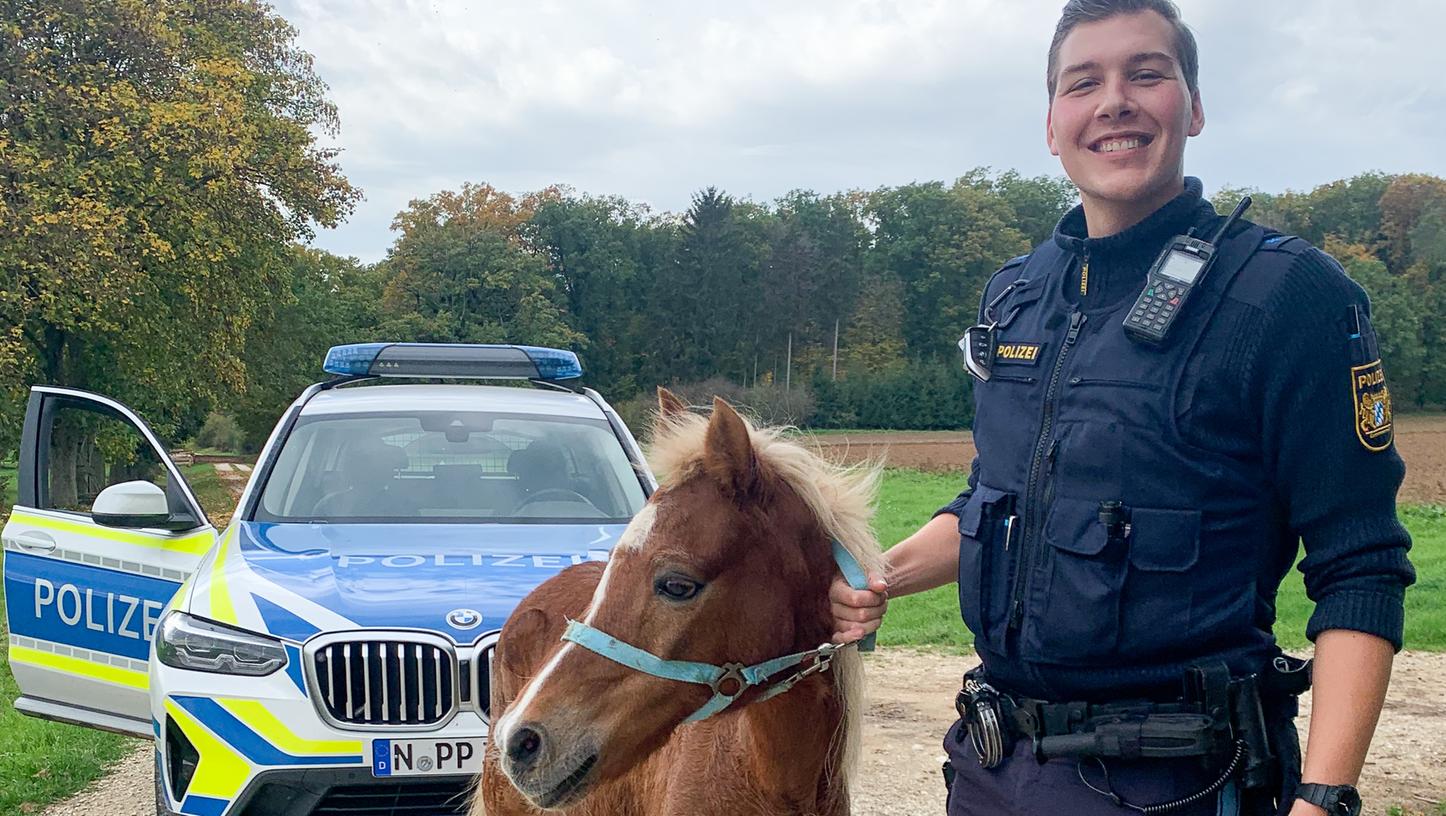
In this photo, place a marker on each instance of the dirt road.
(1420, 439)
(911, 705)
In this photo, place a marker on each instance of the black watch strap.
(1337, 800)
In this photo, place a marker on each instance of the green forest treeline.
(159, 176)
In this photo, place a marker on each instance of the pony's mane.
(841, 498)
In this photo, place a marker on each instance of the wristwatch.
(1337, 800)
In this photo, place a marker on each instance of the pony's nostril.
(524, 746)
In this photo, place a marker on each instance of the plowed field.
(1420, 439)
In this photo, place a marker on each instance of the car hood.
(461, 580)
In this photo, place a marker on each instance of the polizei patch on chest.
(1017, 353)
(1373, 406)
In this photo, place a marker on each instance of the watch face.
(1348, 801)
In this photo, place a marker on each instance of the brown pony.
(728, 563)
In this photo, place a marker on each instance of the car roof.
(500, 399)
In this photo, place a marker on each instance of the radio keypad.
(1158, 304)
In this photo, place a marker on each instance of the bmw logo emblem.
(464, 618)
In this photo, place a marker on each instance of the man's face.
(1121, 110)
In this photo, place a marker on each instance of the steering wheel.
(332, 503)
(555, 494)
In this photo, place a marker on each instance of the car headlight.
(187, 642)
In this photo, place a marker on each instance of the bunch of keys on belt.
(980, 342)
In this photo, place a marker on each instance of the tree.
(594, 248)
(1411, 210)
(156, 158)
(1038, 202)
(1348, 209)
(329, 301)
(874, 340)
(705, 300)
(461, 273)
(812, 274)
(943, 244)
(1397, 315)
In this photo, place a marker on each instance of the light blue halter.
(729, 680)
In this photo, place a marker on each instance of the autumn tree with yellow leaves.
(158, 159)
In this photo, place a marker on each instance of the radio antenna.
(1230, 222)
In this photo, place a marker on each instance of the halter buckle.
(732, 672)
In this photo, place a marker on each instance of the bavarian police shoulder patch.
(1373, 406)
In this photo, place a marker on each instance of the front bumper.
(257, 746)
(348, 791)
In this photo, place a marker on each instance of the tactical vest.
(1077, 416)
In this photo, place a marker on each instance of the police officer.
(1134, 507)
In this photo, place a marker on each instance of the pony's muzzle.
(544, 769)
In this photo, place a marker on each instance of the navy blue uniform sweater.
(1290, 371)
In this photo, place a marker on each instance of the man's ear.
(1197, 114)
(728, 450)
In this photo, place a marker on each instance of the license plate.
(424, 757)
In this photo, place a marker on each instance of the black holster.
(1268, 788)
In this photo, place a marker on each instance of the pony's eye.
(676, 587)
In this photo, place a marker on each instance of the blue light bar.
(459, 360)
(353, 360)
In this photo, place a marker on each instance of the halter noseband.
(729, 680)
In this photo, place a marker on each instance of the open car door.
(103, 533)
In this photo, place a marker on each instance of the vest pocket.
(1117, 382)
(1159, 605)
(1079, 604)
(1164, 540)
(982, 534)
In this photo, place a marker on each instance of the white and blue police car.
(328, 652)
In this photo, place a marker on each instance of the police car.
(329, 651)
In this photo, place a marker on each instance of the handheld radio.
(1181, 265)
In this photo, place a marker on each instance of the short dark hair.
(1092, 11)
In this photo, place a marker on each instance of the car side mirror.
(136, 504)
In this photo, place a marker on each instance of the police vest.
(1077, 417)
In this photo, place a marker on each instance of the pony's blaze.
(550, 737)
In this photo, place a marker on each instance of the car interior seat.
(369, 468)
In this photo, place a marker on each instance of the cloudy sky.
(655, 100)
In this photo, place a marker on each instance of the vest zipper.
(1044, 450)
(1049, 473)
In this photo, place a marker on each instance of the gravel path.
(128, 790)
(911, 698)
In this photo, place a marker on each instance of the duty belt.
(995, 720)
(1215, 714)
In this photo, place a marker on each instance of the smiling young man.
(1138, 497)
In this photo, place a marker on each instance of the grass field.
(932, 618)
(41, 761)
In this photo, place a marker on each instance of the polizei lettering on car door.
(94, 608)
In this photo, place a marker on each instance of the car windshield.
(424, 467)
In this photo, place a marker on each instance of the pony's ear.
(669, 405)
(727, 450)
